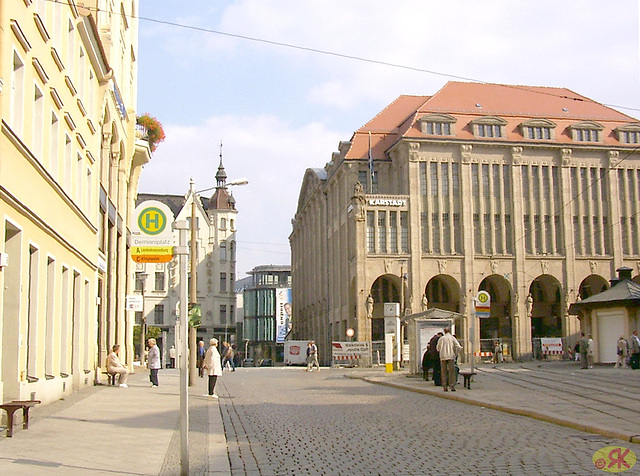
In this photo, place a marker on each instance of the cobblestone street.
(286, 421)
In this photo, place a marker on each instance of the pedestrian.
(435, 359)
(497, 352)
(590, 351)
(312, 356)
(426, 364)
(200, 358)
(634, 346)
(172, 357)
(621, 350)
(576, 351)
(213, 366)
(114, 366)
(153, 362)
(227, 358)
(584, 346)
(448, 347)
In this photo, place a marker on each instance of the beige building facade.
(528, 193)
(215, 251)
(69, 168)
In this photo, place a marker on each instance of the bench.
(12, 407)
(467, 374)
(111, 378)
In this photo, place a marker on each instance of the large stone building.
(69, 168)
(215, 265)
(529, 193)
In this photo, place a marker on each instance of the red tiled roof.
(469, 101)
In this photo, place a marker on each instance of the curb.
(609, 433)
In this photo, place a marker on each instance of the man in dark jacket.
(432, 360)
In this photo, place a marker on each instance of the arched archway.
(385, 288)
(546, 310)
(498, 325)
(443, 292)
(592, 284)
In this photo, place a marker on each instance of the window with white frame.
(438, 124)
(489, 126)
(629, 133)
(538, 129)
(587, 131)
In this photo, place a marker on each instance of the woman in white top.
(213, 366)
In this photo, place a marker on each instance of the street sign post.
(152, 238)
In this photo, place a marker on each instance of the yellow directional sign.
(152, 250)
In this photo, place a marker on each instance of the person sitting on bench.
(114, 366)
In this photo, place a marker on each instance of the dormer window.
(538, 129)
(586, 131)
(438, 125)
(489, 126)
(629, 133)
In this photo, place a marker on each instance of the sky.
(281, 83)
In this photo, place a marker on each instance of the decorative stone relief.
(614, 159)
(516, 155)
(442, 266)
(593, 266)
(465, 152)
(494, 266)
(544, 266)
(566, 157)
(414, 151)
(387, 266)
(358, 202)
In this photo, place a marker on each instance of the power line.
(336, 54)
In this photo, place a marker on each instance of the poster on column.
(283, 313)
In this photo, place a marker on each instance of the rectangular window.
(393, 231)
(497, 223)
(17, 94)
(223, 251)
(598, 235)
(434, 179)
(159, 281)
(435, 228)
(424, 224)
(371, 234)
(223, 282)
(477, 234)
(457, 233)
(509, 233)
(577, 241)
(588, 249)
(38, 123)
(382, 231)
(140, 277)
(446, 233)
(223, 314)
(32, 314)
(528, 240)
(488, 234)
(158, 314)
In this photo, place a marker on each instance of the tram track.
(589, 397)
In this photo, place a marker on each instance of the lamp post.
(193, 252)
(142, 278)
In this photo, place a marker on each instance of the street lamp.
(142, 279)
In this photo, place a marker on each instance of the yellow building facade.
(531, 194)
(69, 168)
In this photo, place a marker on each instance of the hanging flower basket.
(155, 133)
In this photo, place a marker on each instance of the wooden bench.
(467, 374)
(12, 407)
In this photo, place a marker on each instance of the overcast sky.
(279, 110)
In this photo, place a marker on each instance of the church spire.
(221, 175)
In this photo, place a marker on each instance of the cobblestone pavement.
(284, 421)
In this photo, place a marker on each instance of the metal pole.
(182, 251)
(472, 336)
(193, 289)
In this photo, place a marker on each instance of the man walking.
(312, 357)
(153, 362)
(448, 348)
(635, 351)
(584, 350)
(200, 358)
